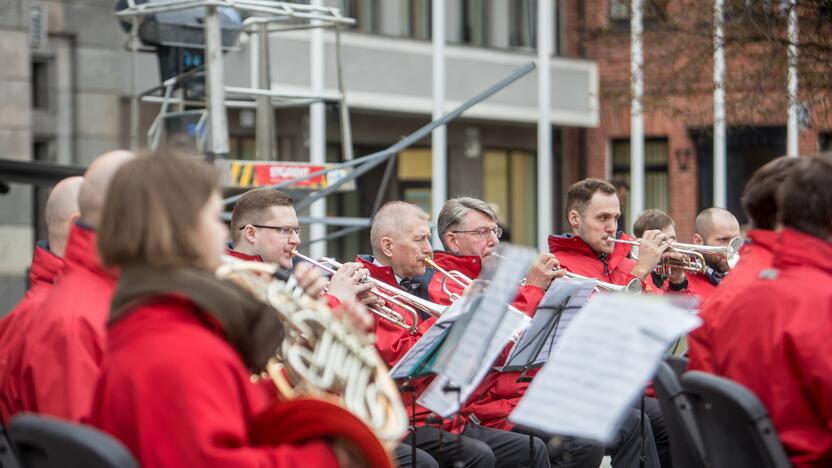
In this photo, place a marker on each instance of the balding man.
(61, 212)
(400, 239)
(64, 345)
(714, 227)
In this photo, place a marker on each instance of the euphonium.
(324, 367)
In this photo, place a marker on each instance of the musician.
(175, 387)
(713, 227)
(654, 219)
(264, 227)
(64, 342)
(469, 233)
(774, 334)
(593, 210)
(400, 239)
(61, 212)
(759, 200)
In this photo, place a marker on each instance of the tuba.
(331, 379)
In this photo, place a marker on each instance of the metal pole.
(317, 129)
(636, 117)
(720, 178)
(134, 84)
(792, 147)
(439, 137)
(544, 122)
(346, 126)
(218, 144)
(265, 136)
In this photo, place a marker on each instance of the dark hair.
(580, 193)
(252, 206)
(620, 182)
(759, 200)
(804, 201)
(651, 219)
(151, 209)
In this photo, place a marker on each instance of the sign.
(245, 174)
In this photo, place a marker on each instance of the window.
(418, 20)
(474, 22)
(414, 171)
(656, 193)
(242, 147)
(41, 84)
(523, 23)
(653, 11)
(365, 12)
(509, 184)
(825, 142)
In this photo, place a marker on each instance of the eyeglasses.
(483, 233)
(284, 230)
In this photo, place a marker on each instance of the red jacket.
(701, 286)
(13, 330)
(774, 339)
(65, 344)
(755, 256)
(499, 392)
(577, 256)
(178, 395)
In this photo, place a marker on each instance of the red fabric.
(701, 286)
(577, 256)
(45, 267)
(64, 346)
(755, 256)
(499, 392)
(773, 337)
(177, 394)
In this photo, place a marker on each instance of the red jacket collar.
(794, 248)
(45, 266)
(468, 265)
(762, 237)
(381, 273)
(574, 244)
(243, 256)
(82, 251)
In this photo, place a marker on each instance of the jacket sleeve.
(528, 298)
(61, 371)
(393, 342)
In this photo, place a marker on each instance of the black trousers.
(479, 446)
(653, 411)
(403, 458)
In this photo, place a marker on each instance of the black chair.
(44, 442)
(679, 364)
(685, 441)
(8, 459)
(735, 427)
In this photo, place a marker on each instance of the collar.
(796, 248)
(377, 271)
(242, 256)
(468, 265)
(82, 251)
(45, 265)
(571, 243)
(761, 237)
(251, 326)
(397, 277)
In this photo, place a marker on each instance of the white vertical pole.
(792, 132)
(317, 130)
(439, 137)
(720, 177)
(545, 36)
(636, 117)
(218, 144)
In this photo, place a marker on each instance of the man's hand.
(544, 270)
(310, 280)
(677, 275)
(651, 247)
(350, 282)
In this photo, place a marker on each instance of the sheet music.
(572, 295)
(445, 403)
(404, 368)
(601, 365)
(462, 361)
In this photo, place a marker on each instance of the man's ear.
(73, 218)
(574, 219)
(248, 233)
(697, 239)
(451, 242)
(386, 244)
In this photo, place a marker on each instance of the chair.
(734, 425)
(8, 459)
(685, 441)
(679, 364)
(44, 442)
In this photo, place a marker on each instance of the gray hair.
(456, 208)
(391, 219)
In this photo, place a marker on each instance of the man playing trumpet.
(714, 227)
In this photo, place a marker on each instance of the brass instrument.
(382, 311)
(633, 287)
(695, 253)
(324, 358)
(456, 276)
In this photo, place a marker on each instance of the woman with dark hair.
(176, 384)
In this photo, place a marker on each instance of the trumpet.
(633, 287)
(326, 369)
(409, 303)
(695, 253)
